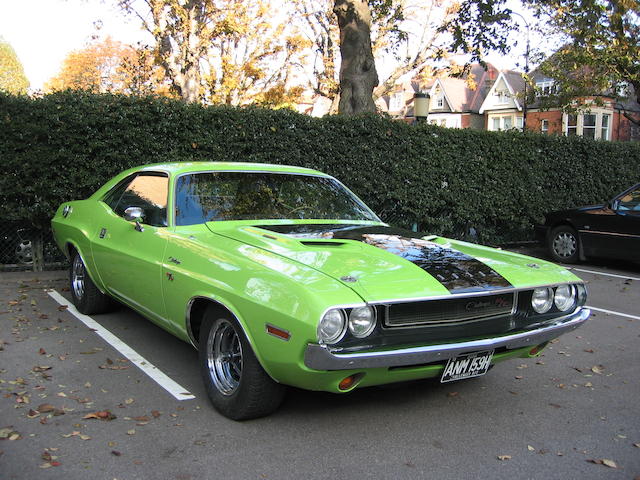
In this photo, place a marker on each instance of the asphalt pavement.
(72, 406)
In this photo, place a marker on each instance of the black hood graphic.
(456, 271)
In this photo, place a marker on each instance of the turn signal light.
(278, 332)
(350, 381)
(535, 350)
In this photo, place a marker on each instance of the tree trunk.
(358, 76)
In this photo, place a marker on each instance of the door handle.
(103, 232)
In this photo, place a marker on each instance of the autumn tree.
(404, 33)
(108, 66)
(12, 77)
(223, 51)
(601, 52)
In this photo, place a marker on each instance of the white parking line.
(613, 313)
(151, 370)
(603, 273)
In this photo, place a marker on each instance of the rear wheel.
(564, 244)
(87, 298)
(236, 383)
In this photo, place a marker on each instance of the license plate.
(467, 366)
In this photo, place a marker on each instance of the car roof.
(177, 168)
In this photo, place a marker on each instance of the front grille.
(449, 310)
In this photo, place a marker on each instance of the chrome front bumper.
(318, 357)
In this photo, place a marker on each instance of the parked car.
(608, 230)
(282, 276)
(15, 246)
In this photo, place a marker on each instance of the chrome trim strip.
(319, 357)
(614, 234)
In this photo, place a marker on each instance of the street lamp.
(421, 106)
(526, 71)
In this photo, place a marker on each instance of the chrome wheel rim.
(565, 244)
(224, 357)
(77, 277)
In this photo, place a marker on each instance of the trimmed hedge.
(65, 145)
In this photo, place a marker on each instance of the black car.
(610, 230)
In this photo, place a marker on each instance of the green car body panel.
(264, 275)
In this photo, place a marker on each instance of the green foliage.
(12, 77)
(65, 145)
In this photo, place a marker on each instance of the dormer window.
(546, 87)
(502, 97)
(438, 99)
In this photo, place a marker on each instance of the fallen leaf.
(131, 432)
(452, 394)
(102, 415)
(62, 308)
(42, 351)
(518, 377)
(116, 453)
(45, 408)
(41, 368)
(33, 414)
(589, 350)
(603, 461)
(141, 419)
(530, 448)
(155, 413)
(129, 401)
(597, 369)
(637, 445)
(504, 457)
(6, 432)
(555, 405)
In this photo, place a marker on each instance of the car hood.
(385, 263)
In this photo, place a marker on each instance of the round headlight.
(542, 299)
(565, 297)
(362, 321)
(332, 326)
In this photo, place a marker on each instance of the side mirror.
(612, 205)
(134, 214)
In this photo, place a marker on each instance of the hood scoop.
(320, 243)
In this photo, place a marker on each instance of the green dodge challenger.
(281, 276)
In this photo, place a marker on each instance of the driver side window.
(148, 191)
(630, 202)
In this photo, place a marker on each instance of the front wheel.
(236, 383)
(87, 298)
(564, 244)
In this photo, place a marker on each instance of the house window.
(503, 97)
(395, 101)
(544, 127)
(519, 123)
(505, 122)
(589, 126)
(604, 130)
(594, 125)
(545, 88)
(572, 125)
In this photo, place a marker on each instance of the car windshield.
(211, 196)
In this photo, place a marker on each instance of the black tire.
(236, 383)
(86, 296)
(564, 244)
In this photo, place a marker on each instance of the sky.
(43, 32)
